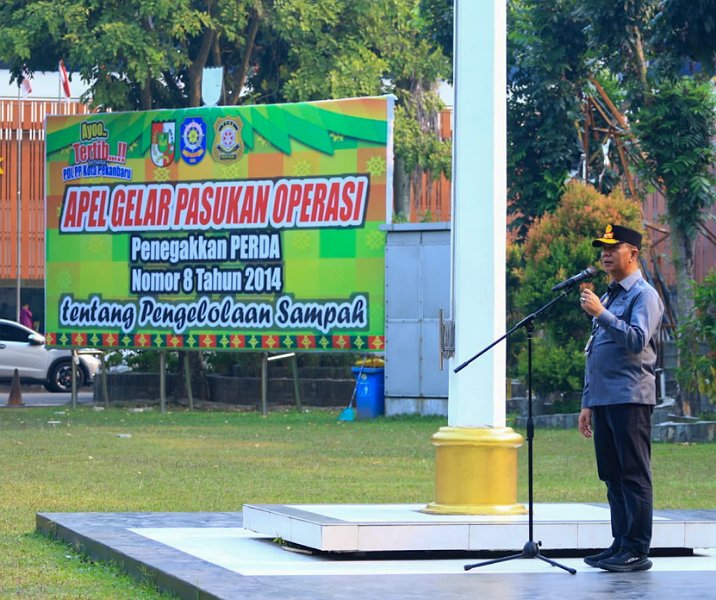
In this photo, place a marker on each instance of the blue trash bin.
(370, 396)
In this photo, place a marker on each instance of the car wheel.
(60, 377)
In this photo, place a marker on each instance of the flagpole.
(19, 203)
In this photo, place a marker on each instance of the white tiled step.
(402, 527)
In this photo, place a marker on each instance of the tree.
(557, 246)
(372, 47)
(638, 48)
(685, 28)
(617, 34)
(142, 55)
(697, 342)
(439, 15)
(678, 141)
(676, 130)
(127, 51)
(546, 49)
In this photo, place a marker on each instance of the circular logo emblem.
(227, 145)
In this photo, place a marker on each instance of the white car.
(23, 349)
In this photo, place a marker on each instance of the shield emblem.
(228, 145)
(162, 148)
(192, 140)
(211, 80)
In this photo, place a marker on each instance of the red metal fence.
(22, 149)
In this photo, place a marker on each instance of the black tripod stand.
(531, 548)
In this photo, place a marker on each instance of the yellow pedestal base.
(476, 471)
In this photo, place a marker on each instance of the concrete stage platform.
(214, 556)
(403, 527)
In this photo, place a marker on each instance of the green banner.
(221, 228)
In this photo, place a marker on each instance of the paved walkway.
(37, 396)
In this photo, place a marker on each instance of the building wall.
(654, 208)
(22, 149)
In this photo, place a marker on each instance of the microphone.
(588, 273)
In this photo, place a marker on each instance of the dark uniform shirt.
(621, 354)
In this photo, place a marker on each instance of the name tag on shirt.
(588, 347)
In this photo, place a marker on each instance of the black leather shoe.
(625, 562)
(593, 559)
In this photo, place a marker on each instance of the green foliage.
(558, 246)
(554, 46)
(697, 341)
(142, 55)
(345, 48)
(332, 49)
(515, 273)
(150, 54)
(438, 15)
(144, 361)
(626, 46)
(557, 366)
(616, 30)
(421, 148)
(676, 129)
(686, 28)
(125, 50)
(546, 68)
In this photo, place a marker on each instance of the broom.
(349, 412)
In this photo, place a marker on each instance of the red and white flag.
(64, 79)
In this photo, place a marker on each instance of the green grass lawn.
(58, 460)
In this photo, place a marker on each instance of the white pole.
(73, 375)
(162, 381)
(19, 203)
(476, 455)
(476, 395)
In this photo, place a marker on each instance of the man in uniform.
(619, 396)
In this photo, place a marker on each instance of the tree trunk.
(246, 62)
(147, 94)
(428, 121)
(401, 190)
(197, 375)
(682, 250)
(639, 57)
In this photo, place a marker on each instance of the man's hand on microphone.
(590, 302)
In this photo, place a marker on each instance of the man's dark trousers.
(622, 442)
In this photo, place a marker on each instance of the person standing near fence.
(619, 396)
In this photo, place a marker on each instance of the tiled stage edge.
(403, 527)
(234, 564)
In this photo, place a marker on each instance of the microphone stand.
(531, 548)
